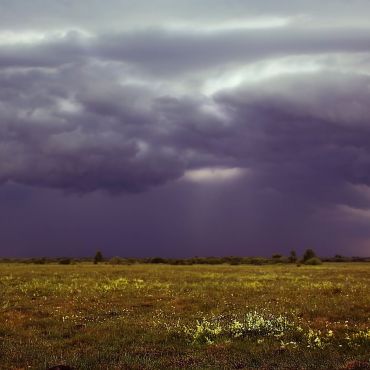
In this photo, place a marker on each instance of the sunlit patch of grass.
(253, 324)
(359, 338)
(259, 325)
(318, 338)
(120, 283)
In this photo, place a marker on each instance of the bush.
(39, 261)
(308, 254)
(65, 261)
(118, 261)
(158, 260)
(278, 258)
(314, 261)
(259, 261)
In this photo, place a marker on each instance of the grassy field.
(196, 317)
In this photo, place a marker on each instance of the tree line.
(309, 257)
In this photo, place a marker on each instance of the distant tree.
(293, 256)
(98, 257)
(308, 254)
(276, 256)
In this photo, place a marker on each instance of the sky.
(182, 128)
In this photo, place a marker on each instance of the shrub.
(228, 259)
(308, 254)
(278, 258)
(158, 260)
(258, 261)
(314, 261)
(118, 261)
(39, 261)
(65, 261)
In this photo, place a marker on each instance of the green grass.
(198, 317)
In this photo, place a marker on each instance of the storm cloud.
(265, 108)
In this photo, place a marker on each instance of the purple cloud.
(248, 124)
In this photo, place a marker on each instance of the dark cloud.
(302, 134)
(59, 135)
(225, 123)
(308, 135)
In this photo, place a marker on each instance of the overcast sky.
(181, 128)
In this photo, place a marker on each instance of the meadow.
(157, 316)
